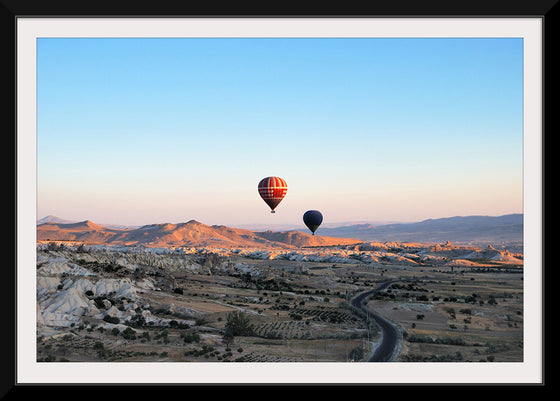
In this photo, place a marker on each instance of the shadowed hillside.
(481, 229)
(189, 234)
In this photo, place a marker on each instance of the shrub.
(356, 354)
(191, 337)
(296, 316)
(129, 334)
(111, 319)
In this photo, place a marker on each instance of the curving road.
(386, 350)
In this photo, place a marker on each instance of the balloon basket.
(272, 211)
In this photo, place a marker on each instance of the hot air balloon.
(313, 219)
(272, 190)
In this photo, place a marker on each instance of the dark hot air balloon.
(272, 190)
(313, 219)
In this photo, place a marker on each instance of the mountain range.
(458, 229)
(189, 234)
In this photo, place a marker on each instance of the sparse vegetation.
(216, 308)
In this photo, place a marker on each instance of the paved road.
(385, 352)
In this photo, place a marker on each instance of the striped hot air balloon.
(272, 190)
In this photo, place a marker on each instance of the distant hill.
(53, 219)
(189, 234)
(460, 229)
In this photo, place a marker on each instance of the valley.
(134, 303)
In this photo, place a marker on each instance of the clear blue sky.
(140, 131)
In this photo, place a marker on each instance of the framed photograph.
(401, 157)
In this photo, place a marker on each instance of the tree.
(228, 337)
(238, 324)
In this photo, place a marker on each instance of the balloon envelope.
(272, 190)
(313, 219)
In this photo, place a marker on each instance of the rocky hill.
(189, 234)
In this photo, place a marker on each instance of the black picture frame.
(10, 10)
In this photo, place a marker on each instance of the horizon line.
(330, 224)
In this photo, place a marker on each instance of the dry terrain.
(98, 302)
(470, 314)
